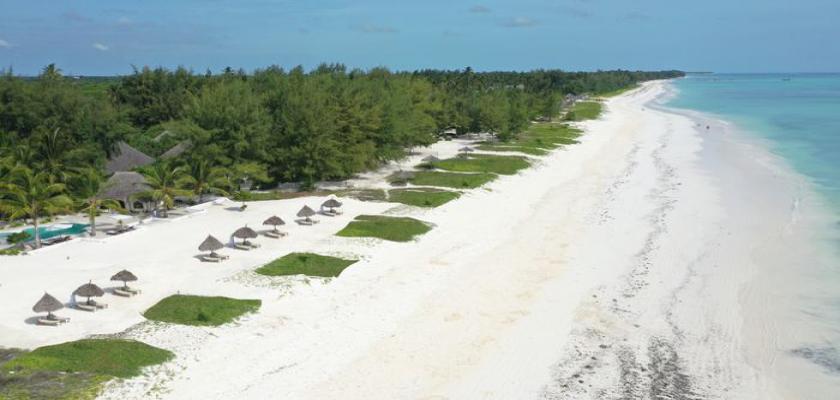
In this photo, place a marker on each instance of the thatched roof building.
(176, 150)
(123, 186)
(126, 158)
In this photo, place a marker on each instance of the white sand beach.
(621, 267)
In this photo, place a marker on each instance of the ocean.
(797, 118)
(797, 114)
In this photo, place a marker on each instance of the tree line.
(272, 125)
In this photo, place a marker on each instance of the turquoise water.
(48, 232)
(798, 114)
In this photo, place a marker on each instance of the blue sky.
(98, 37)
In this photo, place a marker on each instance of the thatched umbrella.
(430, 159)
(89, 290)
(47, 304)
(332, 204)
(245, 233)
(466, 149)
(125, 276)
(306, 212)
(274, 220)
(211, 244)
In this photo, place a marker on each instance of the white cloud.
(520, 22)
(100, 47)
(368, 28)
(4, 44)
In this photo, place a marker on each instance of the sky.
(108, 37)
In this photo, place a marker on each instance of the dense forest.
(294, 125)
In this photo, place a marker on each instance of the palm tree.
(27, 194)
(87, 186)
(203, 178)
(162, 178)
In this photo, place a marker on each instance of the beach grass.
(422, 197)
(619, 91)
(486, 163)
(74, 370)
(509, 147)
(451, 179)
(584, 110)
(200, 310)
(538, 139)
(363, 194)
(395, 229)
(309, 264)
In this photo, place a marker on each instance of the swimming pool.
(51, 231)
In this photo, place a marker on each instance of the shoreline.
(625, 266)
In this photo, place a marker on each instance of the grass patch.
(584, 110)
(395, 229)
(11, 251)
(309, 264)
(363, 194)
(422, 197)
(200, 310)
(504, 165)
(275, 195)
(451, 179)
(506, 147)
(538, 139)
(112, 357)
(74, 370)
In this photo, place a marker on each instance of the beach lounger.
(207, 258)
(122, 292)
(62, 320)
(240, 246)
(132, 290)
(86, 307)
(98, 304)
(253, 245)
(48, 322)
(272, 234)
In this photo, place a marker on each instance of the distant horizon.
(106, 38)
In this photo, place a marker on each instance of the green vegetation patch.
(200, 310)
(11, 251)
(617, 92)
(584, 110)
(112, 357)
(451, 179)
(395, 229)
(537, 139)
(505, 165)
(422, 197)
(73, 370)
(275, 195)
(309, 264)
(364, 194)
(534, 151)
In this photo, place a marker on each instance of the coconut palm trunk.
(37, 231)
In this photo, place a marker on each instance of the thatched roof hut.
(124, 184)
(47, 304)
(126, 158)
(210, 244)
(306, 212)
(125, 276)
(176, 150)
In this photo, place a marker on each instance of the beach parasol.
(431, 159)
(89, 290)
(47, 304)
(331, 204)
(210, 244)
(306, 212)
(274, 220)
(125, 276)
(245, 233)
